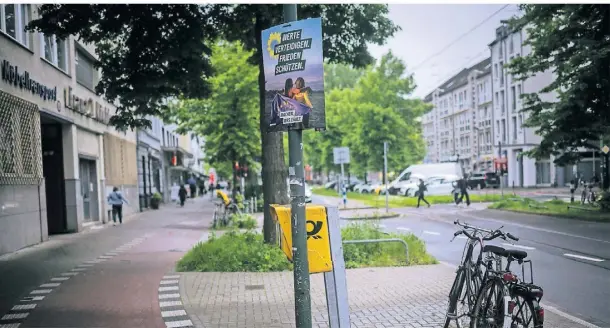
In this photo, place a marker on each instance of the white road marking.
(23, 307)
(10, 325)
(170, 303)
(111, 254)
(85, 265)
(175, 313)
(403, 229)
(93, 261)
(178, 324)
(168, 296)
(538, 229)
(171, 277)
(168, 289)
(431, 232)
(40, 291)
(106, 257)
(32, 298)
(13, 316)
(50, 285)
(79, 269)
(69, 273)
(169, 282)
(519, 246)
(60, 279)
(583, 257)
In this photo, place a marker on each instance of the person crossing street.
(421, 190)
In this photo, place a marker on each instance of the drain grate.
(255, 287)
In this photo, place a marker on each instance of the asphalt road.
(571, 259)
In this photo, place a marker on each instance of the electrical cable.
(459, 38)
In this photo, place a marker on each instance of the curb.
(366, 218)
(170, 303)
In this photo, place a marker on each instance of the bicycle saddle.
(519, 255)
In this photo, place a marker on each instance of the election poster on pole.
(294, 76)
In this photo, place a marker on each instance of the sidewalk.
(378, 297)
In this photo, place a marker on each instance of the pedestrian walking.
(572, 190)
(421, 190)
(182, 193)
(193, 186)
(116, 200)
(463, 185)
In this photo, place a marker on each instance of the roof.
(461, 78)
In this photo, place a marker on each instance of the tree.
(152, 52)
(574, 42)
(229, 117)
(375, 110)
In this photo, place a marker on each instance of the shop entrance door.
(53, 172)
(88, 178)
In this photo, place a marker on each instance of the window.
(13, 20)
(503, 130)
(501, 73)
(85, 71)
(514, 128)
(511, 46)
(163, 135)
(519, 92)
(520, 123)
(495, 71)
(500, 50)
(513, 96)
(497, 99)
(502, 102)
(543, 172)
(55, 51)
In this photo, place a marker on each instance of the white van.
(423, 171)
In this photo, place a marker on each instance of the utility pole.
(302, 297)
(385, 174)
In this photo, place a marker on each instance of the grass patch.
(372, 216)
(555, 207)
(378, 201)
(236, 251)
(381, 254)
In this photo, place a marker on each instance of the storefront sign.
(86, 106)
(12, 75)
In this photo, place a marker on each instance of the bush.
(243, 221)
(604, 202)
(234, 252)
(381, 254)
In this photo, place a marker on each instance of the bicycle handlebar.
(493, 234)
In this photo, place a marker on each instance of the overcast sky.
(427, 29)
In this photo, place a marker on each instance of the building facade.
(458, 126)
(511, 138)
(59, 157)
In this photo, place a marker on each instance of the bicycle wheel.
(523, 315)
(489, 308)
(454, 294)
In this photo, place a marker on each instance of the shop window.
(13, 20)
(55, 51)
(85, 69)
(543, 172)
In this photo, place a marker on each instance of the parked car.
(492, 180)
(360, 187)
(353, 182)
(477, 180)
(441, 185)
(330, 185)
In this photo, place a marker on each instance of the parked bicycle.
(224, 210)
(470, 273)
(492, 294)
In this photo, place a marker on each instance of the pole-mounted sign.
(294, 76)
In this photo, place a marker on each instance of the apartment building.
(511, 138)
(58, 155)
(459, 125)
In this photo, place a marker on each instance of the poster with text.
(294, 76)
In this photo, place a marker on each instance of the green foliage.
(142, 50)
(156, 196)
(381, 254)
(243, 221)
(604, 201)
(370, 109)
(555, 207)
(234, 252)
(400, 201)
(229, 117)
(572, 40)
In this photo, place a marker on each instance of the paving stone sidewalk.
(379, 297)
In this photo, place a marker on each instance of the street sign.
(605, 149)
(341, 155)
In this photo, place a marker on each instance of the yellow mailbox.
(318, 242)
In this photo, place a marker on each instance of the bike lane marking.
(581, 257)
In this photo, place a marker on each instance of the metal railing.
(387, 240)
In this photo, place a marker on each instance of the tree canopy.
(376, 109)
(228, 119)
(572, 41)
(150, 52)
